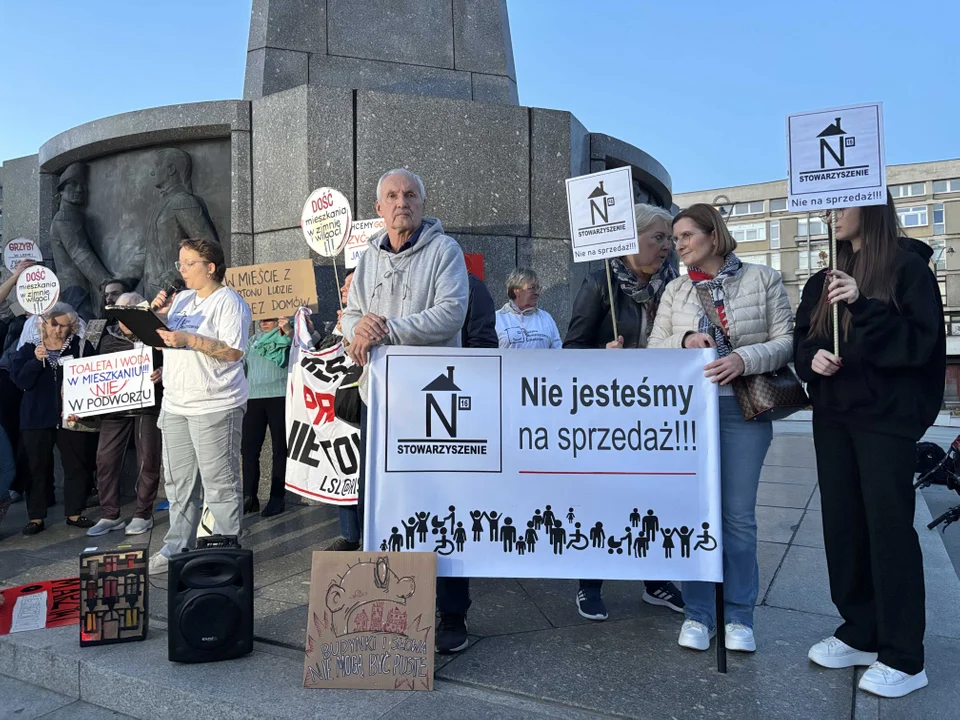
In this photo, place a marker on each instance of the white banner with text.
(546, 463)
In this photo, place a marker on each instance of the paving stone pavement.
(531, 654)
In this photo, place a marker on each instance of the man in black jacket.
(480, 326)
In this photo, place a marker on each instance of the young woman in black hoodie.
(870, 407)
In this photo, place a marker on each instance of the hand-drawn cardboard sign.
(371, 621)
(275, 289)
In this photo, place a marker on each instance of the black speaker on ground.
(210, 599)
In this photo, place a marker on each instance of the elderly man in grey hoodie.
(410, 288)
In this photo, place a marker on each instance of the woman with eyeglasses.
(520, 323)
(205, 394)
(743, 311)
(871, 404)
(639, 281)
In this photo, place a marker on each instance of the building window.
(775, 235)
(939, 226)
(946, 186)
(913, 216)
(747, 208)
(911, 190)
(752, 232)
(817, 227)
(778, 205)
(939, 258)
(815, 259)
(775, 261)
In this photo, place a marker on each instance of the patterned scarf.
(731, 268)
(647, 295)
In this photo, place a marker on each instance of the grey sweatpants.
(201, 451)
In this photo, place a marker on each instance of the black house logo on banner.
(833, 142)
(600, 203)
(444, 417)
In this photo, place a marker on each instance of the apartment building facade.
(927, 196)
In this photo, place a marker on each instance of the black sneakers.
(664, 594)
(82, 521)
(590, 604)
(452, 633)
(341, 544)
(33, 528)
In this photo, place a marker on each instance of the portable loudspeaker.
(210, 598)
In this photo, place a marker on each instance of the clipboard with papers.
(142, 321)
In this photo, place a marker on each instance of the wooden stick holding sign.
(613, 314)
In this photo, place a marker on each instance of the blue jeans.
(743, 447)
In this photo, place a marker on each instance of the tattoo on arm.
(216, 349)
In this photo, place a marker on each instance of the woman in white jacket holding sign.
(754, 336)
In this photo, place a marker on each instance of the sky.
(703, 86)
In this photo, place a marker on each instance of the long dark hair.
(873, 267)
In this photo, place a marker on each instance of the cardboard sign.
(602, 223)
(113, 585)
(38, 289)
(20, 249)
(106, 383)
(275, 289)
(325, 221)
(545, 464)
(39, 605)
(371, 621)
(836, 158)
(323, 452)
(360, 232)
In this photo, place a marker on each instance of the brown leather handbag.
(768, 396)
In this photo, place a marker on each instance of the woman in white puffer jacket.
(756, 337)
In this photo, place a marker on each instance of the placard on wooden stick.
(371, 621)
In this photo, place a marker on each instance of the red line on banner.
(598, 472)
(338, 501)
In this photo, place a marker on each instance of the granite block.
(450, 702)
(792, 451)
(784, 495)
(635, 669)
(294, 154)
(815, 499)
(361, 74)
(79, 710)
(810, 532)
(241, 184)
(940, 698)
(46, 658)
(769, 556)
(473, 158)
(776, 524)
(270, 70)
(170, 124)
(499, 259)
(502, 607)
(793, 475)
(288, 24)
(21, 198)
(294, 589)
(25, 701)
(241, 249)
(552, 161)
(280, 622)
(280, 245)
(416, 32)
(494, 89)
(481, 37)
(802, 584)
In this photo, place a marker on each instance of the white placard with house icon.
(602, 223)
(836, 158)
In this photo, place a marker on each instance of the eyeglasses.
(532, 289)
(687, 236)
(825, 215)
(186, 265)
(664, 240)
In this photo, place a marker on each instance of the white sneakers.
(138, 526)
(878, 679)
(105, 526)
(695, 636)
(884, 681)
(835, 653)
(158, 564)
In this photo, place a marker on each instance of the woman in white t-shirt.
(205, 395)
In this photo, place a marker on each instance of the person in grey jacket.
(410, 288)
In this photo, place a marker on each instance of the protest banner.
(20, 249)
(360, 232)
(275, 289)
(546, 464)
(602, 223)
(39, 605)
(323, 452)
(836, 158)
(38, 289)
(106, 383)
(371, 621)
(325, 221)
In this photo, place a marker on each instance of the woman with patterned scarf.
(639, 283)
(741, 310)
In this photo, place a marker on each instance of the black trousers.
(78, 451)
(115, 435)
(453, 594)
(261, 414)
(873, 553)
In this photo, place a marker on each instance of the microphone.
(175, 286)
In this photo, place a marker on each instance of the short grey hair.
(61, 308)
(402, 171)
(647, 215)
(519, 278)
(130, 299)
